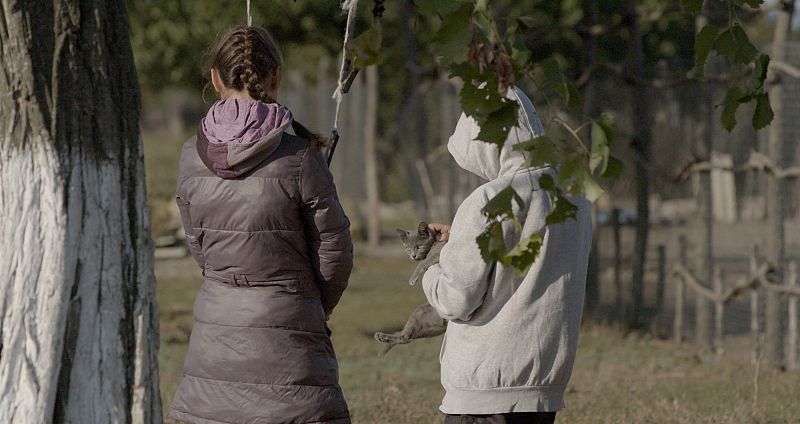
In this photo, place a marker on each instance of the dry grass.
(617, 377)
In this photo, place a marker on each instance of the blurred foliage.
(170, 37)
(492, 45)
(489, 45)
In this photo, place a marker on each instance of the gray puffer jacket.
(263, 221)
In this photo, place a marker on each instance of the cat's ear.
(423, 229)
(403, 234)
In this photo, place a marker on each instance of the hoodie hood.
(238, 134)
(482, 158)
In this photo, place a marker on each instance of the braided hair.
(246, 57)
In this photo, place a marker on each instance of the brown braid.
(245, 58)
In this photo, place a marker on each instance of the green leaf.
(542, 151)
(552, 78)
(613, 168)
(497, 125)
(591, 188)
(563, 210)
(526, 22)
(703, 42)
(760, 71)
(692, 6)
(454, 36)
(481, 5)
(365, 49)
(501, 204)
(576, 179)
(491, 243)
(602, 134)
(763, 114)
(573, 97)
(522, 256)
(479, 103)
(734, 44)
(520, 55)
(546, 182)
(730, 105)
(438, 7)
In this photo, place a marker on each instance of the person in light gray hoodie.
(510, 344)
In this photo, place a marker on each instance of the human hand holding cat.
(442, 231)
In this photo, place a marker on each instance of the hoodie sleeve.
(327, 228)
(192, 240)
(456, 286)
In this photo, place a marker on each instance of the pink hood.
(238, 134)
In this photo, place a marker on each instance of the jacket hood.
(482, 158)
(238, 134)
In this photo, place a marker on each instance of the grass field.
(618, 378)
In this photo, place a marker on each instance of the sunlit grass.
(618, 378)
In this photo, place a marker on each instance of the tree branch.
(744, 284)
(785, 68)
(756, 162)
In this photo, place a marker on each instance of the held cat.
(421, 245)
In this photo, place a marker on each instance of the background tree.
(78, 319)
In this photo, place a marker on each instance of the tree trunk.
(776, 245)
(589, 51)
(703, 146)
(448, 178)
(641, 145)
(78, 321)
(413, 140)
(371, 158)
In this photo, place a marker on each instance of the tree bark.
(371, 158)
(642, 150)
(78, 319)
(776, 193)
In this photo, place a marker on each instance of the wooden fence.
(758, 282)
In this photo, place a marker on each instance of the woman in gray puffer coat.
(263, 221)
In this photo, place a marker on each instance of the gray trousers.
(510, 418)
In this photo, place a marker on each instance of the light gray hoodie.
(511, 342)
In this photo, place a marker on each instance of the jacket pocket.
(291, 285)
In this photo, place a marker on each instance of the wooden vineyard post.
(754, 305)
(792, 280)
(719, 310)
(662, 276)
(677, 327)
(615, 224)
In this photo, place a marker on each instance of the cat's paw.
(412, 281)
(382, 337)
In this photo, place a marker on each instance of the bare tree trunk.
(371, 158)
(704, 255)
(78, 322)
(589, 52)
(776, 245)
(642, 149)
(413, 146)
(448, 178)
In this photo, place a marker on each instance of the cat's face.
(418, 243)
